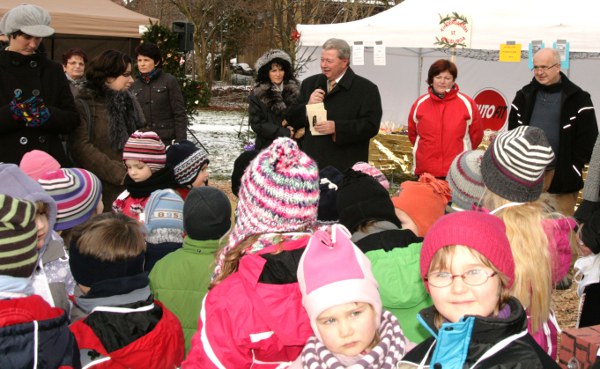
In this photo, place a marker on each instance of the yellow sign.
(510, 53)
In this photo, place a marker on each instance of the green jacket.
(402, 290)
(180, 281)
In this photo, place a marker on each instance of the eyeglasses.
(473, 277)
(126, 74)
(543, 68)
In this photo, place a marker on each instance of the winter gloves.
(33, 112)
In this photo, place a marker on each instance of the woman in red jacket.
(443, 122)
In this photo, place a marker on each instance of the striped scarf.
(385, 355)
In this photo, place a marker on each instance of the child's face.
(43, 227)
(406, 221)
(202, 177)
(138, 170)
(459, 299)
(348, 329)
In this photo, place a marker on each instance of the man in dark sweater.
(565, 113)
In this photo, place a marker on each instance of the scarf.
(385, 355)
(124, 116)
(76, 82)
(159, 180)
(148, 77)
(557, 87)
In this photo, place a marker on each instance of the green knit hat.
(18, 237)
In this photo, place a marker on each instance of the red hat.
(480, 231)
(423, 201)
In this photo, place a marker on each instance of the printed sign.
(493, 108)
(454, 31)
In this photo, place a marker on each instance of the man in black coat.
(353, 106)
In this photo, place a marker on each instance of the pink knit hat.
(146, 147)
(35, 163)
(480, 231)
(333, 271)
(367, 168)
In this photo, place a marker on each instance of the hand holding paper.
(316, 113)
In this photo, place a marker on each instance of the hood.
(16, 183)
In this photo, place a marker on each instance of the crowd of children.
(316, 269)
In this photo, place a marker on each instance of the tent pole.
(419, 70)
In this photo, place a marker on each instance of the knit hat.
(186, 159)
(76, 192)
(480, 231)
(333, 271)
(206, 214)
(423, 201)
(146, 147)
(163, 217)
(267, 57)
(35, 163)
(18, 237)
(513, 166)
(30, 19)
(590, 233)
(279, 193)
(361, 198)
(367, 168)
(330, 178)
(464, 179)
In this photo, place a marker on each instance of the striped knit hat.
(146, 147)
(464, 179)
(18, 237)
(186, 159)
(76, 192)
(513, 166)
(279, 193)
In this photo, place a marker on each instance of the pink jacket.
(245, 323)
(557, 231)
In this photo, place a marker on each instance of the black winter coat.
(578, 131)
(523, 352)
(34, 74)
(355, 107)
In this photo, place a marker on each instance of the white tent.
(409, 30)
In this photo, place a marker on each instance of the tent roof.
(415, 23)
(88, 17)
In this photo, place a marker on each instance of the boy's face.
(43, 227)
(138, 170)
(202, 177)
(459, 299)
(348, 329)
(406, 221)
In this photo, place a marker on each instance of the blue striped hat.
(76, 192)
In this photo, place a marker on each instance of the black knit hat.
(186, 159)
(206, 214)
(590, 233)
(239, 166)
(513, 166)
(361, 198)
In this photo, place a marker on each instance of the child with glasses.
(468, 268)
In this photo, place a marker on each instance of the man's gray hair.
(555, 54)
(340, 45)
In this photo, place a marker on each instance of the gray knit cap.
(30, 19)
(267, 57)
(464, 179)
(514, 165)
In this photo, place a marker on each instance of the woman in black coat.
(36, 104)
(275, 91)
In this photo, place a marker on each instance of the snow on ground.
(218, 132)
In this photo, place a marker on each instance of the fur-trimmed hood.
(275, 100)
(270, 55)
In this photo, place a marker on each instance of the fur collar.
(277, 101)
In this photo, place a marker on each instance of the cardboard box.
(579, 343)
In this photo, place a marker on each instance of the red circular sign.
(493, 108)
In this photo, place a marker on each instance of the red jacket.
(160, 348)
(29, 329)
(131, 206)
(245, 323)
(440, 129)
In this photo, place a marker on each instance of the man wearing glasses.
(566, 114)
